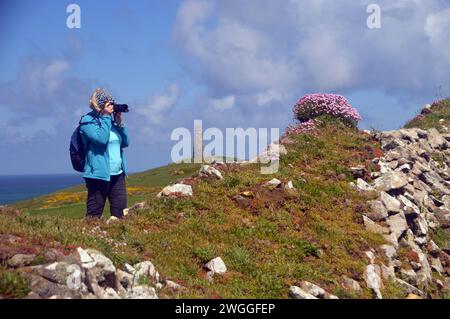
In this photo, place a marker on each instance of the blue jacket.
(95, 131)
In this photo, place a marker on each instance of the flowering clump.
(313, 105)
(307, 127)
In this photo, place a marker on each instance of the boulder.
(145, 269)
(143, 292)
(392, 204)
(216, 265)
(173, 285)
(408, 288)
(390, 181)
(408, 207)
(351, 284)
(373, 227)
(373, 280)
(20, 260)
(363, 186)
(312, 289)
(389, 251)
(176, 190)
(207, 171)
(273, 183)
(298, 293)
(289, 186)
(442, 215)
(378, 211)
(397, 224)
(436, 140)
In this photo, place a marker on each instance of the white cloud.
(224, 103)
(248, 48)
(159, 105)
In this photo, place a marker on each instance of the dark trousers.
(99, 190)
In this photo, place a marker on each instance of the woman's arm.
(98, 134)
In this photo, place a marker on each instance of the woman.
(104, 171)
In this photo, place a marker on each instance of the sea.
(14, 188)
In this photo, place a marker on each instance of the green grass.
(314, 234)
(12, 284)
(440, 110)
(442, 237)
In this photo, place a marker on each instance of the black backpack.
(78, 149)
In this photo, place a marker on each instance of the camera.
(120, 108)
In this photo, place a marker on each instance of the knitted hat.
(99, 99)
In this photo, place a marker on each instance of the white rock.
(298, 293)
(84, 256)
(371, 256)
(130, 269)
(173, 285)
(176, 189)
(373, 280)
(290, 186)
(143, 292)
(216, 265)
(209, 171)
(273, 183)
(362, 185)
(102, 262)
(145, 269)
(312, 289)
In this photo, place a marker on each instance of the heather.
(312, 106)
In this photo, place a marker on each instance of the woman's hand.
(119, 119)
(108, 109)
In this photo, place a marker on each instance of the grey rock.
(391, 203)
(408, 207)
(312, 289)
(351, 284)
(21, 260)
(390, 181)
(143, 292)
(173, 285)
(378, 211)
(436, 140)
(436, 265)
(397, 224)
(409, 275)
(408, 288)
(363, 186)
(373, 227)
(443, 216)
(145, 269)
(389, 251)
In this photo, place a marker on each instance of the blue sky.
(231, 63)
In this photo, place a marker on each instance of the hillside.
(327, 227)
(435, 115)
